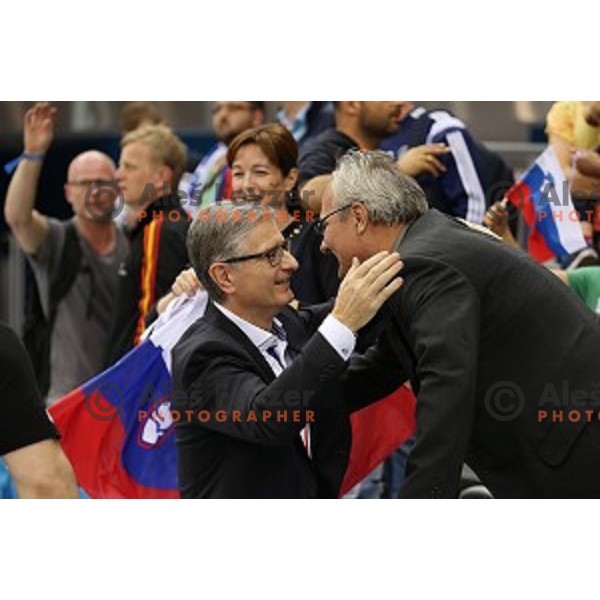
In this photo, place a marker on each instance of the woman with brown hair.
(263, 163)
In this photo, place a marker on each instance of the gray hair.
(219, 233)
(373, 178)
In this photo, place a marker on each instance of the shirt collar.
(259, 337)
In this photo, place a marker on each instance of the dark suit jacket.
(217, 368)
(489, 337)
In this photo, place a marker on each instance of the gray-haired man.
(502, 356)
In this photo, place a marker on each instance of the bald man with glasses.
(252, 379)
(78, 311)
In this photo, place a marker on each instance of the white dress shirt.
(273, 346)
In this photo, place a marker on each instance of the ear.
(353, 107)
(360, 216)
(290, 180)
(221, 275)
(164, 174)
(67, 189)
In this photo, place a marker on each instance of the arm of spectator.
(461, 183)
(186, 283)
(575, 164)
(496, 220)
(311, 193)
(581, 185)
(587, 163)
(423, 160)
(29, 226)
(41, 470)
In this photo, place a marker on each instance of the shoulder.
(205, 345)
(330, 140)
(53, 243)
(177, 222)
(211, 333)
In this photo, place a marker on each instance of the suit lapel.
(221, 322)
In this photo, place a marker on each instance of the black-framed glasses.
(273, 256)
(92, 182)
(320, 225)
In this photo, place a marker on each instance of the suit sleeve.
(216, 380)
(377, 373)
(441, 313)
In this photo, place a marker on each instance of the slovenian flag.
(114, 452)
(543, 196)
(117, 432)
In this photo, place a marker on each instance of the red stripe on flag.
(377, 431)
(93, 440)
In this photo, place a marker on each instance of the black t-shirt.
(157, 255)
(321, 155)
(23, 419)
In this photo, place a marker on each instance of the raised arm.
(29, 226)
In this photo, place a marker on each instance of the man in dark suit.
(253, 390)
(503, 358)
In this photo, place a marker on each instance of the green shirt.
(585, 282)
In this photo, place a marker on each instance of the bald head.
(92, 161)
(86, 191)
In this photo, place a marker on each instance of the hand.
(186, 283)
(39, 128)
(365, 288)
(587, 162)
(423, 159)
(496, 218)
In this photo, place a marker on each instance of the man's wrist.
(339, 336)
(34, 156)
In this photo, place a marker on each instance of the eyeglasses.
(98, 183)
(273, 256)
(320, 224)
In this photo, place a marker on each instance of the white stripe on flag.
(569, 229)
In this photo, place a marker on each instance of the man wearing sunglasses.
(75, 262)
(252, 380)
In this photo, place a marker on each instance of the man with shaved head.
(81, 319)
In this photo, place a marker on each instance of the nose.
(288, 262)
(324, 248)
(248, 186)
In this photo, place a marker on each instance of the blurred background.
(513, 129)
